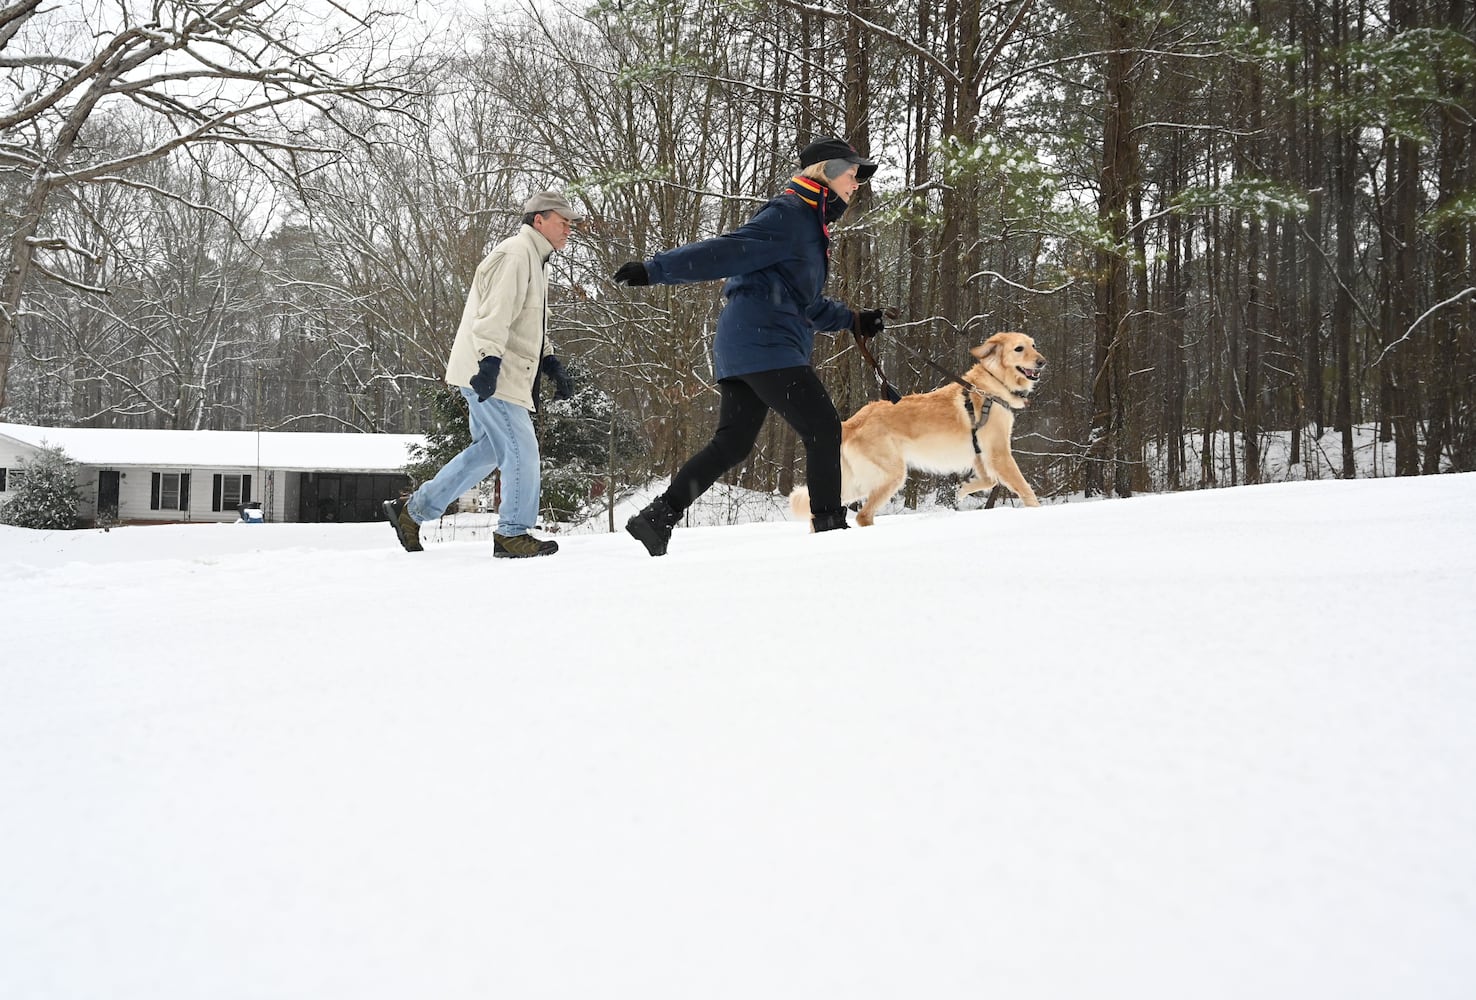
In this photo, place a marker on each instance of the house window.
(170, 491)
(229, 492)
(11, 479)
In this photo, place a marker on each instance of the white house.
(132, 476)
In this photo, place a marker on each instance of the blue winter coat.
(776, 265)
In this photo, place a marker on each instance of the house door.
(107, 497)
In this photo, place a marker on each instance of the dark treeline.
(1218, 222)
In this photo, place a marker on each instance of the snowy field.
(1205, 745)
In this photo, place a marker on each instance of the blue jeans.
(502, 438)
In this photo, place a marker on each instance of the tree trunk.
(1345, 169)
(1450, 328)
(1111, 261)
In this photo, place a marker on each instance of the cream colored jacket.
(505, 317)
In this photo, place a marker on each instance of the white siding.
(14, 455)
(137, 455)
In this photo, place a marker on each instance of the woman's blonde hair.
(826, 170)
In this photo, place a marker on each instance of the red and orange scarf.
(818, 197)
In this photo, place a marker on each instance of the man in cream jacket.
(501, 348)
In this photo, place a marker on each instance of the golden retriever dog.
(935, 432)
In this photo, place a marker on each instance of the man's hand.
(484, 382)
(563, 384)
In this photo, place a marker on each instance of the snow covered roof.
(301, 452)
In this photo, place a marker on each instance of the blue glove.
(485, 380)
(563, 384)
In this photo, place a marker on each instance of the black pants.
(797, 395)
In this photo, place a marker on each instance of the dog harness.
(974, 425)
(989, 401)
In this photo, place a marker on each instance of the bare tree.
(386, 241)
(185, 292)
(246, 74)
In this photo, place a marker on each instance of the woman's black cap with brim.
(837, 149)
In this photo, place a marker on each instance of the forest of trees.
(1219, 221)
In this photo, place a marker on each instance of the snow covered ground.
(1206, 745)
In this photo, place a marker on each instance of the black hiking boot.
(830, 520)
(406, 530)
(652, 526)
(522, 546)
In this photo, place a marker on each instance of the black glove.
(869, 322)
(563, 384)
(632, 273)
(485, 380)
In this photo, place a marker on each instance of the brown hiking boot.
(406, 529)
(522, 546)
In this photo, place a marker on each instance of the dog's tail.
(799, 502)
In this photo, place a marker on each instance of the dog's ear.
(984, 350)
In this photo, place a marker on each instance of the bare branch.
(1457, 297)
(1023, 288)
(13, 17)
(945, 70)
(70, 283)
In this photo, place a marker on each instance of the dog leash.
(975, 422)
(968, 395)
(890, 391)
(989, 400)
(883, 383)
(940, 369)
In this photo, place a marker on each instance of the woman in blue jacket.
(776, 265)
